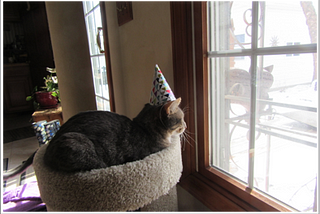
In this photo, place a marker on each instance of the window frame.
(212, 187)
(105, 54)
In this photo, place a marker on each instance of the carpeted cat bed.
(117, 188)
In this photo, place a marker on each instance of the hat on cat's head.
(161, 91)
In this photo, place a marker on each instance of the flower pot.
(46, 100)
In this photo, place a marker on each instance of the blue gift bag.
(45, 131)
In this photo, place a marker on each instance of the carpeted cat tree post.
(149, 184)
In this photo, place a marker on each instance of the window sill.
(217, 198)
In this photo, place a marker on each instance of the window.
(255, 119)
(263, 124)
(99, 56)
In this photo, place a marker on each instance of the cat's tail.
(19, 169)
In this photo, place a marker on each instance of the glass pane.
(96, 75)
(280, 24)
(100, 103)
(100, 76)
(106, 105)
(230, 25)
(296, 23)
(97, 17)
(95, 3)
(286, 124)
(92, 32)
(231, 104)
(89, 5)
(103, 76)
(93, 21)
(286, 147)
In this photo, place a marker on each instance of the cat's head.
(166, 119)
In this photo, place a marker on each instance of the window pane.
(286, 125)
(97, 17)
(234, 28)
(103, 76)
(92, 32)
(100, 76)
(231, 79)
(100, 103)
(286, 144)
(93, 21)
(89, 5)
(96, 75)
(296, 23)
(292, 24)
(106, 105)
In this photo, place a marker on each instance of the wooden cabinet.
(27, 42)
(11, 11)
(38, 41)
(17, 86)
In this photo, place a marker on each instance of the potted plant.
(48, 96)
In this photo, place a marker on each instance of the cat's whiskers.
(186, 109)
(188, 138)
(185, 139)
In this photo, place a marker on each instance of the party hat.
(161, 91)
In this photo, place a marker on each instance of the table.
(48, 114)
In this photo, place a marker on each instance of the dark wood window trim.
(107, 55)
(214, 189)
(181, 22)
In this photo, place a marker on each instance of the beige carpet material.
(117, 188)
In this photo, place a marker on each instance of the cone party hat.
(161, 91)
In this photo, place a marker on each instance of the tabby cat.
(98, 139)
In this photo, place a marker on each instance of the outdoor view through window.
(97, 54)
(264, 97)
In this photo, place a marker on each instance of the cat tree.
(117, 188)
(148, 184)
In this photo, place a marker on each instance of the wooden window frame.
(107, 55)
(213, 188)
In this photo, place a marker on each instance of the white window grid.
(254, 52)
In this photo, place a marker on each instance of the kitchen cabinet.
(16, 87)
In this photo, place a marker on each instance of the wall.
(135, 48)
(115, 58)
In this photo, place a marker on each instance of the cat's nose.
(184, 125)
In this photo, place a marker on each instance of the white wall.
(135, 48)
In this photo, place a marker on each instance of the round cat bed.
(117, 188)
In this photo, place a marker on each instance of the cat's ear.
(172, 106)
